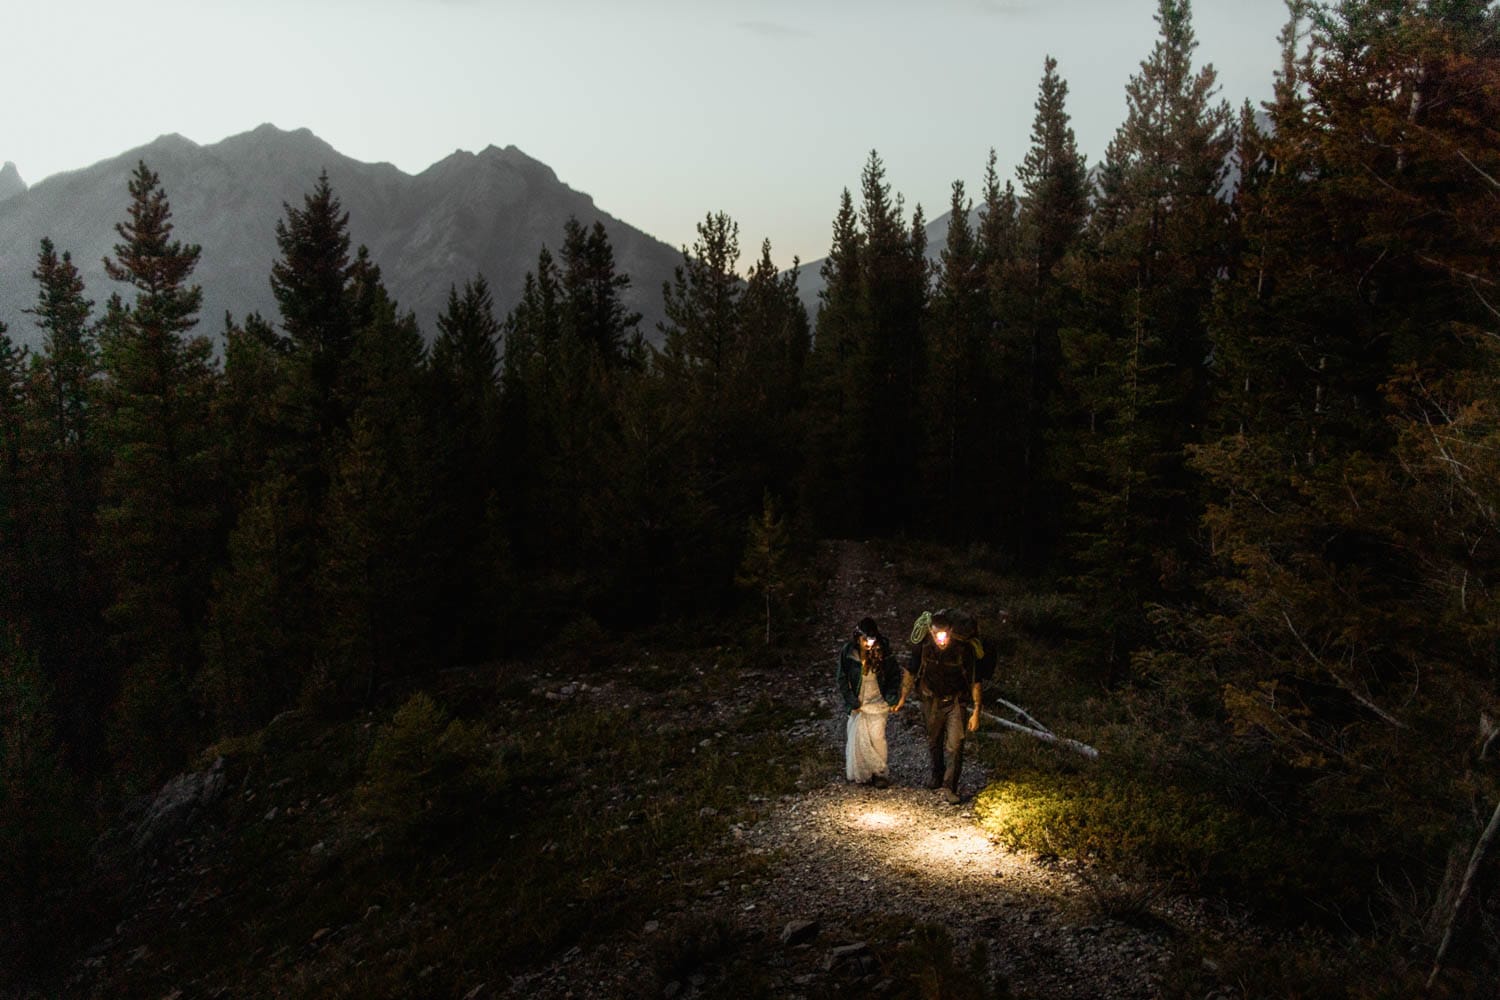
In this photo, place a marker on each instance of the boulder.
(178, 804)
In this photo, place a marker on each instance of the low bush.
(931, 965)
(425, 769)
(1133, 823)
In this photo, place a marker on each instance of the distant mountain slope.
(488, 212)
(10, 181)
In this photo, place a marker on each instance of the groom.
(942, 667)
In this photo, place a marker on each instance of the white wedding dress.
(865, 750)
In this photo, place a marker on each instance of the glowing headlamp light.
(940, 637)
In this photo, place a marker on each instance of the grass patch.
(1131, 823)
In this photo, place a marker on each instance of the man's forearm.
(907, 683)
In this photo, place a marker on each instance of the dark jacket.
(851, 670)
(943, 673)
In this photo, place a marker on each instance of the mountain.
(487, 213)
(10, 181)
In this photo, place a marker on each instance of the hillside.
(488, 212)
(656, 811)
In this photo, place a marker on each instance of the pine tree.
(533, 342)
(61, 582)
(997, 235)
(777, 339)
(834, 431)
(1053, 206)
(956, 416)
(251, 407)
(255, 656)
(731, 371)
(570, 354)
(376, 579)
(895, 291)
(702, 304)
(766, 565)
(594, 308)
(287, 400)
(311, 282)
(464, 369)
(995, 470)
(1135, 367)
(869, 354)
(70, 358)
(159, 512)
(15, 485)
(1351, 634)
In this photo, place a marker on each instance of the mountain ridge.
(469, 213)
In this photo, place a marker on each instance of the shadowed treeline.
(1243, 431)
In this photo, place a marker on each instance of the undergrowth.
(473, 828)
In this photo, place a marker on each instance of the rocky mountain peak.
(484, 213)
(10, 181)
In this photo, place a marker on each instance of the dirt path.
(850, 850)
(857, 861)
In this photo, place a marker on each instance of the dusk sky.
(663, 110)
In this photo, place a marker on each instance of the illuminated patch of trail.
(849, 855)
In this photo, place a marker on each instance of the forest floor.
(874, 871)
(673, 822)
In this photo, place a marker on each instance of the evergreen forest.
(1216, 418)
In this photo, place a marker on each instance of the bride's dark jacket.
(888, 673)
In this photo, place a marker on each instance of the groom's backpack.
(966, 629)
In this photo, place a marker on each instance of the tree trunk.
(1475, 860)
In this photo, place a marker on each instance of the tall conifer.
(159, 512)
(62, 580)
(1053, 206)
(1136, 360)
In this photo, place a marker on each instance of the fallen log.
(1038, 730)
(1044, 735)
(1025, 715)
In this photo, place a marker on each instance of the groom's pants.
(945, 733)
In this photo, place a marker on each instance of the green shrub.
(930, 964)
(1132, 822)
(425, 769)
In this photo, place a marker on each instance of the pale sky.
(662, 110)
